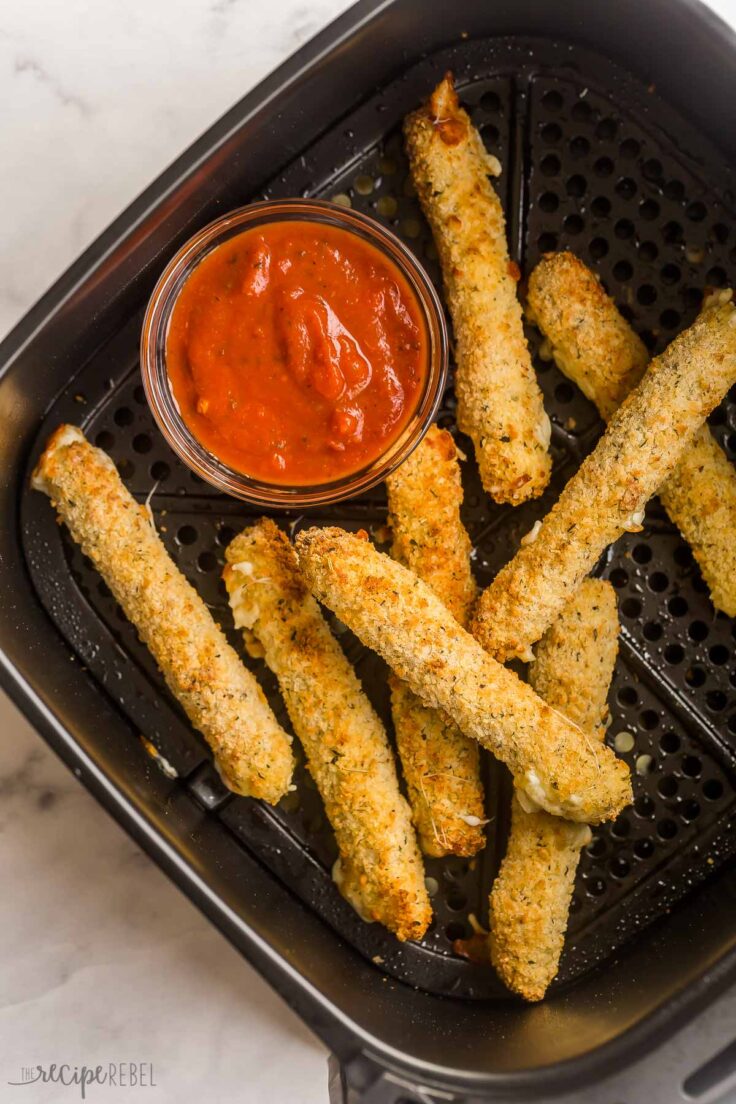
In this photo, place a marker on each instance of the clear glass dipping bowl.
(156, 379)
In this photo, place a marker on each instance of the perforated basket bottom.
(587, 166)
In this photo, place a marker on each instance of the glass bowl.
(158, 388)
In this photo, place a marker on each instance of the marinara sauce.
(297, 352)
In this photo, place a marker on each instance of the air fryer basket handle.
(697, 1065)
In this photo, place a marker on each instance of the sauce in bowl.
(297, 352)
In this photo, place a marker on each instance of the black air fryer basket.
(615, 124)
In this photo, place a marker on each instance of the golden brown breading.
(593, 345)
(424, 498)
(553, 761)
(499, 401)
(644, 441)
(441, 766)
(379, 870)
(219, 695)
(530, 899)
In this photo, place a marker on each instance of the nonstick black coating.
(593, 162)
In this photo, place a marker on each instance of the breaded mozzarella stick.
(499, 400)
(441, 765)
(607, 495)
(219, 695)
(597, 349)
(379, 870)
(530, 898)
(557, 765)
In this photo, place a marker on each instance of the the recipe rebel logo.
(119, 1075)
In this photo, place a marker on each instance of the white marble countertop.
(101, 958)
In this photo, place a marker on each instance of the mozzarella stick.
(441, 765)
(218, 694)
(530, 899)
(379, 870)
(553, 761)
(499, 402)
(597, 349)
(643, 443)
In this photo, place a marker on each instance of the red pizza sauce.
(297, 353)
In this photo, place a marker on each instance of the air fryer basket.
(594, 161)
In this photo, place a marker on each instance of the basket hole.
(627, 695)
(597, 847)
(582, 112)
(667, 829)
(598, 248)
(719, 654)
(123, 416)
(621, 827)
(624, 229)
(550, 165)
(712, 789)
(490, 103)
(649, 720)
(674, 189)
(456, 899)
(642, 553)
(618, 577)
(646, 295)
(716, 701)
(603, 166)
(683, 556)
(690, 810)
(698, 631)
(716, 277)
(658, 582)
(574, 224)
(672, 233)
(564, 393)
(579, 146)
(547, 242)
(720, 232)
(551, 133)
(626, 187)
(629, 147)
(206, 561)
(670, 274)
(631, 607)
(674, 654)
(187, 534)
(142, 443)
(596, 887)
(649, 210)
(691, 766)
(644, 806)
(619, 867)
(644, 849)
(667, 786)
(552, 100)
(696, 211)
(652, 631)
(669, 743)
(601, 207)
(652, 169)
(692, 296)
(669, 319)
(576, 186)
(126, 467)
(677, 606)
(104, 440)
(606, 129)
(623, 271)
(648, 252)
(549, 202)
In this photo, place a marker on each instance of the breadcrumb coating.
(530, 899)
(218, 694)
(643, 443)
(554, 762)
(441, 766)
(597, 349)
(500, 403)
(380, 870)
